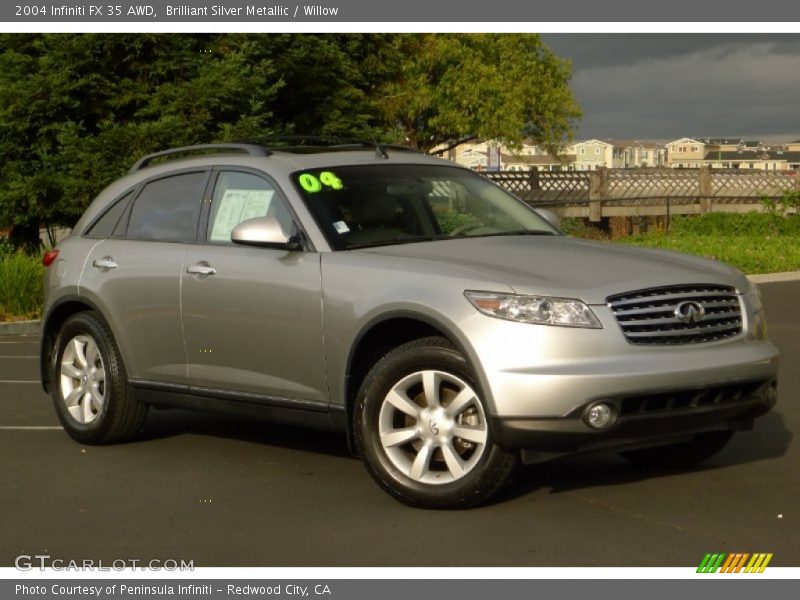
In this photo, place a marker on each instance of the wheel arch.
(387, 331)
(61, 310)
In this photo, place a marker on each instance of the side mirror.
(264, 232)
(550, 217)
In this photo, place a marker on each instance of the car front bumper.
(644, 420)
(541, 380)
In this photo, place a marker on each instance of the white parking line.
(19, 381)
(29, 427)
(18, 356)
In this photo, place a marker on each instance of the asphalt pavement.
(228, 492)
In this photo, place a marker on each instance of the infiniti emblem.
(434, 426)
(690, 312)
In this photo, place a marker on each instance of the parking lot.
(226, 492)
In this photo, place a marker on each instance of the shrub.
(21, 292)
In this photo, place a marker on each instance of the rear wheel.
(681, 456)
(421, 426)
(90, 386)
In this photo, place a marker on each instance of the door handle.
(104, 263)
(202, 269)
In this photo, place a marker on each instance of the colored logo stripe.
(735, 562)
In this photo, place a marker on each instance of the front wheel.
(421, 426)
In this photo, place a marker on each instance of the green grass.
(21, 293)
(752, 242)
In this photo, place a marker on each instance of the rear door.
(134, 275)
(252, 317)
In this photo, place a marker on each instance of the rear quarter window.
(168, 209)
(104, 226)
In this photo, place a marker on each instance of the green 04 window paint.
(312, 183)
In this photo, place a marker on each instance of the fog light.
(601, 416)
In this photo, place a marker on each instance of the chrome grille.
(649, 316)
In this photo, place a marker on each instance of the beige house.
(633, 154)
(477, 155)
(686, 153)
(754, 159)
(691, 153)
(537, 162)
(729, 144)
(591, 155)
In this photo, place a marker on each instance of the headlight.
(757, 324)
(752, 297)
(542, 310)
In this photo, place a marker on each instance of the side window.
(458, 210)
(104, 226)
(241, 196)
(167, 210)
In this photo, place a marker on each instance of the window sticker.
(237, 206)
(309, 183)
(331, 180)
(313, 184)
(341, 227)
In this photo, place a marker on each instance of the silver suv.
(445, 327)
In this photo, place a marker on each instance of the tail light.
(49, 257)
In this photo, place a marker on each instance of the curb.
(21, 327)
(775, 277)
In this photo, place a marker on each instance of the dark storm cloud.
(671, 85)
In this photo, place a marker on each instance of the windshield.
(361, 206)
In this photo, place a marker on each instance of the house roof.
(592, 141)
(728, 141)
(752, 155)
(631, 143)
(540, 159)
(684, 140)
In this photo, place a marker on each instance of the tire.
(680, 456)
(90, 388)
(408, 428)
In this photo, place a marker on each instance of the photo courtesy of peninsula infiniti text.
(446, 328)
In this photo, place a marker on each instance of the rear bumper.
(644, 420)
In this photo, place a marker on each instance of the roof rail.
(251, 149)
(281, 142)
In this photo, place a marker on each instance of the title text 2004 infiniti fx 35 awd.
(446, 327)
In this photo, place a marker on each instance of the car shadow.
(769, 439)
(162, 424)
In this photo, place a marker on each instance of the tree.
(77, 110)
(450, 88)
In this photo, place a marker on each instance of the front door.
(252, 317)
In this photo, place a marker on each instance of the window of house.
(597, 150)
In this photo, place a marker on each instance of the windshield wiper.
(395, 241)
(516, 232)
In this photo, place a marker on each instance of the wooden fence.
(647, 192)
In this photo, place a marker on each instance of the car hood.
(569, 267)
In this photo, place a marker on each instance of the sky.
(668, 86)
